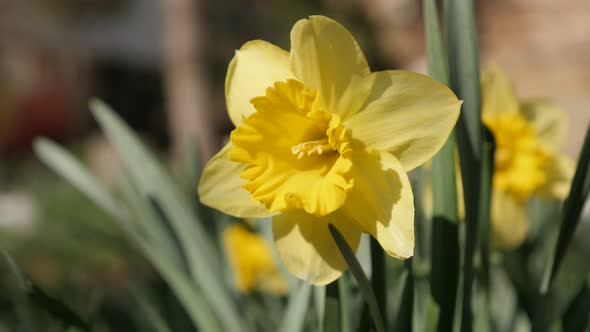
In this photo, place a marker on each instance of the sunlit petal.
(382, 202)
(221, 188)
(307, 248)
(254, 68)
(327, 58)
(407, 114)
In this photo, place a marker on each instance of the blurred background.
(161, 64)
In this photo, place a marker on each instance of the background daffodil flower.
(527, 162)
(252, 261)
(320, 139)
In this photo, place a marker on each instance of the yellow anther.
(312, 147)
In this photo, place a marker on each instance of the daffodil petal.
(407, 114)
(382, 203)
(509, 219)
(254, 68)
(549, 120)
(221, 188)
(307, 248)
(497, 93)
(327, 58)
(559, 172)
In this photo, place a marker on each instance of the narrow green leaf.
(444, 278)
(571, 211)
(421, 261)
(191, 298)
(379, 277)
(151, 226)
(167, 229)
(336, 309)
(360, 277)
(62, 162)
(332, 313)
(404, 317)
(21, 276)
(463, 56)
(153, 181)
(149, 311)
(294, 318)
(461, 34)
(345, 303)
(485, 206)
(319, 298)
(55, 308)
(435, 53)
(66, 165)
(167, 263)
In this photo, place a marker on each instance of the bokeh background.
(161, 64)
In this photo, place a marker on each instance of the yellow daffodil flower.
(526, 163)
(320, 139)
(252, 261)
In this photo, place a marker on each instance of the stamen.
(312, 147)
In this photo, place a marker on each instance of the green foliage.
(361, 278)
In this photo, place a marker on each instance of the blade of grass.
(435, 53)
(570, 217)
(337, 301)
(169, 267)
(461, 34)
(379, 277)
(404, 319)
(294, 318)
(66, 165)
(191, 298)
(444, 278)
(359, 275)
(153, 181)
(332, 313)
(485, 207)
(571, 211)
(149, 310)
(463, 59)
(150, 225)
(421, 261)
(319, 299)
(345, 302)
(62, 162)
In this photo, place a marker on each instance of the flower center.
(312, 147)
(520, 161)
(297, 154)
